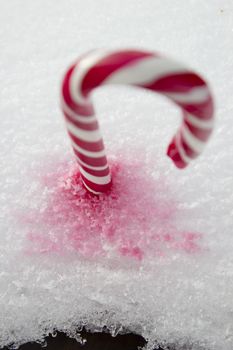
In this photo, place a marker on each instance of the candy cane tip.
(173, 153)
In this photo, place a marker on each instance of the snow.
(154, 258)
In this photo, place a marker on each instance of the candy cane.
(140, 68)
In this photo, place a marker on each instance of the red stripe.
(201, 134)
(88, 146)
(202, 110)
(84, 126)
(174, 154)
(101, 161)
(98, 173)
(96, 187)
(180, 82)
(106, 66)
(83, 110)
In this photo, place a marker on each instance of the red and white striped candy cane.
(140, 68)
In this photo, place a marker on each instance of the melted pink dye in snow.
(135, 219)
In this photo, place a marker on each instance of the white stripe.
(91, 166)
(91, 154)
(99, 180)
(79, 73)
(196, 95)
(191, 140)
(181, 150)
(75, 116)
(89, 136)
(145, 71)
(202, 124)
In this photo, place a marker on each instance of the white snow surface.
(180, 298)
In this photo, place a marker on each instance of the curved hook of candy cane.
(143, 69)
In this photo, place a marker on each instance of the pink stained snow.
(133, 220)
